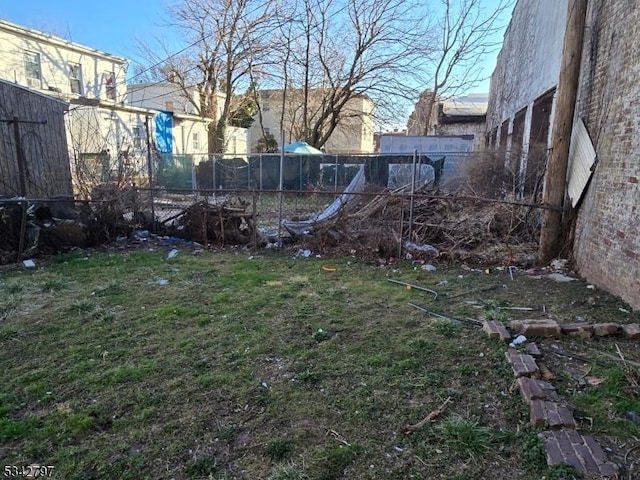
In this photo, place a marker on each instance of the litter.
(520, 339)
(427, 267)
(173, 253)
(29, 263)
(162, 281)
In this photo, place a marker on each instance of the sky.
(118, 26)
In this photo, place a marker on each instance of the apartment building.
(353, 134)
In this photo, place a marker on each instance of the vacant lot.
(131, 365)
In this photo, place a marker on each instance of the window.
(267, 132)
(75, 78)
(109, 81)
(137, 137)
(266, 107)
(32, 69)
(196, 141)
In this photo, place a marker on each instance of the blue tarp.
(164, 133)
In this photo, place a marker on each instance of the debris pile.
(226, 223)
(459, 228)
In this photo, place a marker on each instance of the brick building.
(606, 245)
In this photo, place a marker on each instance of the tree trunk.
(551, 235)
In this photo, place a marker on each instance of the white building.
(106, 131)
(190, 130)
(352, 135)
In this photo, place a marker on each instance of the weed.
(11, 429)
(334, 461)
(308, 377)
(533, 451)
(466, 370)
(288, 471)
(320, 335)
(8, 306)
(79, 307)
(446, 328)
(563, 472)
(304, 311)
(201, 467)
(279, 449)
(464, 435)
(53, 284)
(13, 288)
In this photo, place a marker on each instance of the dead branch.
(409, 429)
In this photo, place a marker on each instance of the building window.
(196, 141)
(109, 81)
(32, 69)
(137, 137)
(75, 78)
(267, 132)
(266, 107)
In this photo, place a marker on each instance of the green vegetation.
(270, 368)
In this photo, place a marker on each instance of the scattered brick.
(550, 414)
(523, 365)
(605, 329)
(496, 329)
(537, 327)
(533, 350)
(631, 331)
(582, 452)
(532, 389)
(583, 330)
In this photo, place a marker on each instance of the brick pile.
(563, 443)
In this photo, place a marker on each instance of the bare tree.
(335, 54)
(466, 33)
(226, 39)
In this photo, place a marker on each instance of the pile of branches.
(461, 228)
(228, 223)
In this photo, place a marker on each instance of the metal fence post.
(23, 228)
(413, 189)
(150, 171)
(281, 193)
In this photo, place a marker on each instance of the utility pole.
(551, 235)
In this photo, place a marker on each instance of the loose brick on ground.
(551, 414)
(631, 331)
(533, 350)
(496, 329)
(523, 365)
(605, 329)
(582, 452)
(583, 330)
(541, 327)
(532, 389)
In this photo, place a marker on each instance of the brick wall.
(607, 241)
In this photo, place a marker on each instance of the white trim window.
(137, 136)
(75, 78)
(33, 69)
(195, 137)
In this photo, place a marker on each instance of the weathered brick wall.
(607, 241)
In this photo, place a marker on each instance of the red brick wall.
(607, 242)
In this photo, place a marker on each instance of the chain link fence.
(373, 205)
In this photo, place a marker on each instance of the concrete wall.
(607, 240)
(529, 63)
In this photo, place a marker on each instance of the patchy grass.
(272, 368)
